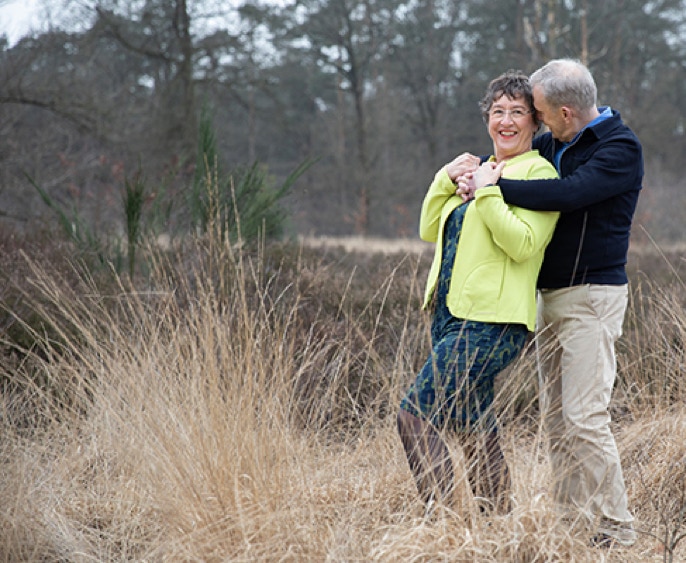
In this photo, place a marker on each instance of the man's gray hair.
(566, 82)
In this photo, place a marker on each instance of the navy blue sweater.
(601, 175)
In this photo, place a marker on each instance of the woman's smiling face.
(511, 126)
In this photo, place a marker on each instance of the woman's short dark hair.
(515, 85)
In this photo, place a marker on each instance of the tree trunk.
(182, 24)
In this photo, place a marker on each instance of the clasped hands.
(469, 175)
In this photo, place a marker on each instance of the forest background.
(375, 94)
(182, 379)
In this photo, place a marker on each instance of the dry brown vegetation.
(240, 406)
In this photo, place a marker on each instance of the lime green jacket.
(500, 250)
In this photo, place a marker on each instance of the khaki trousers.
(577, 330)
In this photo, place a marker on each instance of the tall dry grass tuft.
(656, 457)
(204, 418)
(240, 405)
(653, 360)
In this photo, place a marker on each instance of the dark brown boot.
(488, 473)
(428, 457)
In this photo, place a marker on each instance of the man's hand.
(466, 186)
(487, 174)
(462, 164)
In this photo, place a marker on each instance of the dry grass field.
(240, 406)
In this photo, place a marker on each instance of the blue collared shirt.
(605, 113)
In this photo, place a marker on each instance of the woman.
(483, 296)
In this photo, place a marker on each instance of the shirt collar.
(605, 113)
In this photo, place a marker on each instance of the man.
(583, 285)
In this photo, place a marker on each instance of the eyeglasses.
(514, 113)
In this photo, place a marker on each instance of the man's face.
(558, 120)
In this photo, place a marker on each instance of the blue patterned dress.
(455, 387)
